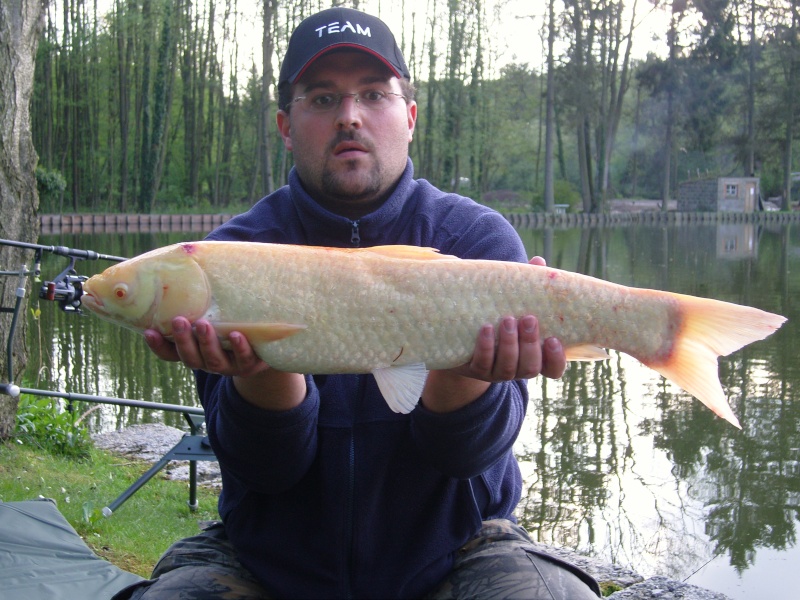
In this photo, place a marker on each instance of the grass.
(140, 530)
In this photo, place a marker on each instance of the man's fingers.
(162, 348)
(506, 363)
(538, 261)
(554, 361)
(483, 357)
(530, 348)
(214, 358)
(245, 359)
(516, 351)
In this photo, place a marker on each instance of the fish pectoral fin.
(409, 252)
(401, 387)
(586, 352)
(259, 332)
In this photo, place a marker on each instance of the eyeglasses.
(326, 101)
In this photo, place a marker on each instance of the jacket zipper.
(355, 237)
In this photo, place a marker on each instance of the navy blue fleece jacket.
(341, 497)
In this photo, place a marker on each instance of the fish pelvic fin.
(710, 329)
(401, 387)
(586, 352)
(258, 332)
(406, 252)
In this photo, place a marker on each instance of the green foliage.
(50, 184)
(44, 424)
(607, 588)
(82, 488)
(146, 108)
(564, 192)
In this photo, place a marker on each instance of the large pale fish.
(398, 311)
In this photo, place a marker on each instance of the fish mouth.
(91, 301)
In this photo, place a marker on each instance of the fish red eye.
(120, 290)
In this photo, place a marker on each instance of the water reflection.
(621, 464)
(617, 462)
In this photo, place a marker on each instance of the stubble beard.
(355, 183)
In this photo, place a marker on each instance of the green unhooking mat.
(43, 558)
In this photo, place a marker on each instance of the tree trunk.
(124, 58)
(751, 95)
(791, 84)
(143, 122)
(153, 153)
(265, 116)
(666, 191)
(427, 166)
(21, 24)
(549, 187)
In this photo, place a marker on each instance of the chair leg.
(192, 485)
(151, 472)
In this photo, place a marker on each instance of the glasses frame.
(337, 101)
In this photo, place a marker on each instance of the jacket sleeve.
(266, 451)
(466, 442)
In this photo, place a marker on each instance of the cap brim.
(395, 71)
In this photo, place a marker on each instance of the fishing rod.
(63, 251)
(67, 287)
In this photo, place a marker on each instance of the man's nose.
(348, 113)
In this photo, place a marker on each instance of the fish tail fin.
(710, 329)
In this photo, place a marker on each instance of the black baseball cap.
(340, 27)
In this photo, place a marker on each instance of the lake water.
(617, 462)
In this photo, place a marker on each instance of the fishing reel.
(66, 288)
(67, 292)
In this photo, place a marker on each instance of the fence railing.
(134, 223)
(128, 223)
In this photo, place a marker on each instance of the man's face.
(349, 158)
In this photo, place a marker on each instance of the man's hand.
(515, 351)
(199, 347)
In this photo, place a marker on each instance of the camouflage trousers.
(500, 562)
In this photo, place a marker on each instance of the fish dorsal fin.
(259, 332)
(409, 252)
(401, 387)
(586, 352)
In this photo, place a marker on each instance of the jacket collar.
(324, 228)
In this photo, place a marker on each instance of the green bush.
(50, 185)
(45, 424)
(567, 193)
(564, 192)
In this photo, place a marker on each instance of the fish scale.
(398, 311)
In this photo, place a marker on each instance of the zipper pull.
(355, 238)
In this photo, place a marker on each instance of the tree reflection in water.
(621, 464)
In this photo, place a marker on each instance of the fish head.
(148, 291)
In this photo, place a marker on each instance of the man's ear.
(284, 121)
(412, 119)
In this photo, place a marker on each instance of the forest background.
(161, 105)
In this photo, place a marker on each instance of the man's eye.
(373, 96)
(322, 100)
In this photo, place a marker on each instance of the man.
(326, 492)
